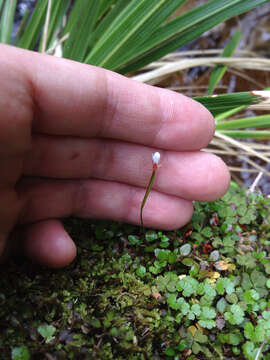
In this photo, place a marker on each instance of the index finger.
(80, 100)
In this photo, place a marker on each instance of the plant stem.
(148, 189)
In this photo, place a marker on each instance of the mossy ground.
(201, 292)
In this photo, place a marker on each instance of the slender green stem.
(260, 121)
(226, 114)
(148, 189)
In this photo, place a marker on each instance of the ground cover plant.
(201, 292)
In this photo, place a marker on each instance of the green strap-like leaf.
(106, 4)
(219, 71)
(82, 22)
(133, 25)
(34, 26)
(58, 10)
(107, 21)
(258, 134)
(185, 28)
(172, 30)
(261, 121)
(7, 20)
(226, 114)
(220, 103)
(22, 26)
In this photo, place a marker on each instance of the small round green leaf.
(141, 271)
(20, 353)
(185, 249)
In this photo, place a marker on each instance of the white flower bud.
(156, 158)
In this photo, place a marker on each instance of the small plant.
(155, 160)
(47, 332)
(20, 353)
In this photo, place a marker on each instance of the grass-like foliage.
(121, 35)
(197, 293)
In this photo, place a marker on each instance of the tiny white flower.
(156, 158)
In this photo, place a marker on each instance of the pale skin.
(77, 140)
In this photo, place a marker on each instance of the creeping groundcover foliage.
(201, 292)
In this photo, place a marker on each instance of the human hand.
(78, 140)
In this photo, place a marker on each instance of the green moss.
(199, 292)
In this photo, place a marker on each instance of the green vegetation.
(201, 292)
(120, 35)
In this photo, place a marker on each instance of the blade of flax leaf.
(22, 26)
(107, 20)
(226, 114)
(77, 17)
(182, 30)
(84, 19)
(105, 5)
(182, 24)
(260, 121)
(7, 20)
(220, 103)
(57, 13)
(218, 72)
(245, 134)
(34, 27)
(136, 22)
(71, 24)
